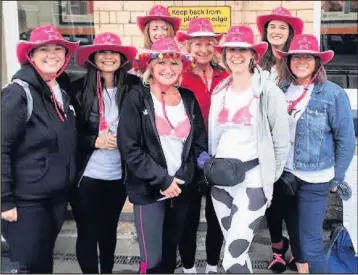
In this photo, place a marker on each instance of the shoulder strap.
(30, 103)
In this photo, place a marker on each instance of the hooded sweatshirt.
(272, 126)
(38, 156)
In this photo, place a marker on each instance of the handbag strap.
(248, 165)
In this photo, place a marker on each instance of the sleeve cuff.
(5, 206)
(168, 180)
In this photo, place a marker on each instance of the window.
(74, 19)
(339, 33)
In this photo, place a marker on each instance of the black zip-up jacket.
(38, 157)
(88, 129)
(141, 150)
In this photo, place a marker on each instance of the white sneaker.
(190, 270)
(211, 269)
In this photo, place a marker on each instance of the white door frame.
(317, 20)
(11, 36)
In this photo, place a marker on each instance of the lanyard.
(165, 114)
(293, 104)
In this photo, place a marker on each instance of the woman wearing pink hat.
(163, 133)
(248, 142)
(322, 141)
(157, 25)
(39, 140)
(202, 80)
(278, 30)
(101, 193)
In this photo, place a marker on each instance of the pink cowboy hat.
(46, 34)
(158, 12)
(307, 44)
(104, 41)
(160, 48)
(281, 14)
(243, 37)
(198, 27)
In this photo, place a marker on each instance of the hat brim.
(295, 22)
(25, 47)
(84, 52)
(260, 48)
(325, 56)
(143, 20)
(146, 57)
(182, 36)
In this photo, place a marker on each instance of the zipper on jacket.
(151, 118)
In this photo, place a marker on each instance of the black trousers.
(159, 229)
(32, 238)
(283, 208)
(214, 237)
(97, 206)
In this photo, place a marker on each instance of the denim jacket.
(325, 132)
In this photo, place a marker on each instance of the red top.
(194, 83)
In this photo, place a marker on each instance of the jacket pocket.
(316, 118)
(32, 170)
(314, 132)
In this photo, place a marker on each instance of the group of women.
(145, 123)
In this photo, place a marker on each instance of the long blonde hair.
(147, 42)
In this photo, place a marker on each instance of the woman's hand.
(173, 190)
(203, 157)
(105, 140)
(9, 215)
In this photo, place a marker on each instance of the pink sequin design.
(181, 131)
(242, 116)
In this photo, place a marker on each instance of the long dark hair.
(286, 76)
(269, 60)
(88, 92)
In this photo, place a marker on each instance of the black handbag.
(289, 183)
(227, 171)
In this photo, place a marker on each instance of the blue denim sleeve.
(343, 134)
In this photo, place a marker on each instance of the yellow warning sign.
(220, 16)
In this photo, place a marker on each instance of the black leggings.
(283, 208)
(214, 237)
(97, 206)
(159, 229)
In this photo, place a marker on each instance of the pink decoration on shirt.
(241, 116)
(181, 131)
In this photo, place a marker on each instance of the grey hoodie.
(272, 126)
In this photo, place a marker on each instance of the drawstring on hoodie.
(57, 105)
(103, 125)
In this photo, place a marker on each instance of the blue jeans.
(312, 204)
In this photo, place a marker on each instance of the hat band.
(197, 34)
(302, 52)
(237, 45)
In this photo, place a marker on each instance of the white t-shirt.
(238, 140)
(106, 164)
(274, 74)
(238, 132)
(294, 92)
(58, 94)
(172, 141)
